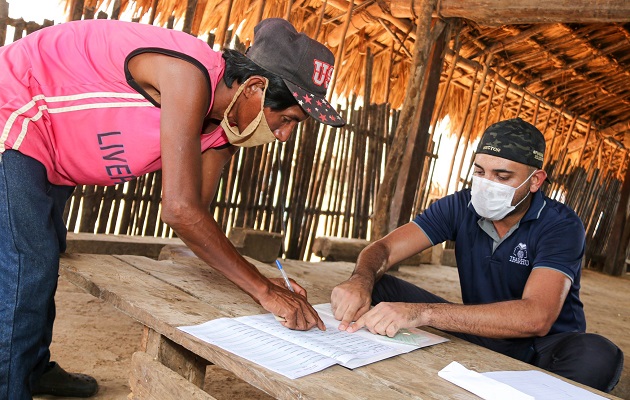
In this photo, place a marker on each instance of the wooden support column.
(339, 57)
(619, 237)
(153, 12)
(77, 10)
(190, 15)
(260, 9)
(409, 122)
(222, 38)
(174, 356)
(116, 10)
(4, 16)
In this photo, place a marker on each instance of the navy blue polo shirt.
(550, 235)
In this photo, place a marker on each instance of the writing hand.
(293, 307)
(350, 300)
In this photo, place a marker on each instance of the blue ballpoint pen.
(284, 275)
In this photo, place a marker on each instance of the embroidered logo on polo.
(322, 73)
(519, 255)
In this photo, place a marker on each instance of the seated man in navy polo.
(519, 257)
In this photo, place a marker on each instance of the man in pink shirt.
(103, 102)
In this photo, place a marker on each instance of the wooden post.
(473, 117)
(89, 13)
(19, 29)
(409, 121)
(320, 20)
(77, 11)
(4, 15)
(339, 57)
(190, 15)
(260, 11)
(620, 235)
(153, 12)
(287, 14)
(222, 36)
(116, 10)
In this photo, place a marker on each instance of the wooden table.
(182, 290)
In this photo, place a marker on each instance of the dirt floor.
(94, 338)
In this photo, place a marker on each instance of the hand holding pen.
(284, 276)
(302, 297)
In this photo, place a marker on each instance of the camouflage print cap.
(516, 140)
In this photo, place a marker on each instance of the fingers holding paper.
(349, 301)
(388, 318)
(293, 307)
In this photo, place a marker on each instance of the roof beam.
(500, 12)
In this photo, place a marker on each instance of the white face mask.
(493, 200)
(257, 132)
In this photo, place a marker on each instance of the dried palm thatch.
(548, 73)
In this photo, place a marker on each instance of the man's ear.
(255, 83)
(537, 180)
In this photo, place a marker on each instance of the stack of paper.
(261, 339)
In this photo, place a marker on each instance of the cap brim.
(317, 107)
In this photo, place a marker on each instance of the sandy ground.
(93, 337)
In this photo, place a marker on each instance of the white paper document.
(482, 386)
(542, 386)
(514, 385)
(262, 340)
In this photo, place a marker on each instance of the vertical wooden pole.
(190, 15)
(116, 10)
(620, 236)
(339, 57)
(4, 15)
(153, 12)
(460, 130)
(222, 33)
(409, 121)
(260, 11)
(388, 74)
(77, 11)
(586, 137)
(287, 14)
(475, 106)
(19, 30)
(320, 20)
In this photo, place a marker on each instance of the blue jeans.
(32, 234)
(586, 358)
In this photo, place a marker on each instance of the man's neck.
(504, 225)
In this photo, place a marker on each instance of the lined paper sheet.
(262, 340)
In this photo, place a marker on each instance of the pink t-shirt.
(67, 102)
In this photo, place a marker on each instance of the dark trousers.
(32, 234)
(586, 358)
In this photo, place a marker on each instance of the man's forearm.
(371, 264)
(510, 319)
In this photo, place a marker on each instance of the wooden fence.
(325, 181)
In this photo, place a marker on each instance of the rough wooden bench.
(118, 244)
(182, 290)
(260, 245)
(346, 249)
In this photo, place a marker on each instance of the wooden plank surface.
(184, 291)
(150, 380)
(162, 307)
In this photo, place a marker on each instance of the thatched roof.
(583, 69)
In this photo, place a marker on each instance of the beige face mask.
(257, 132)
